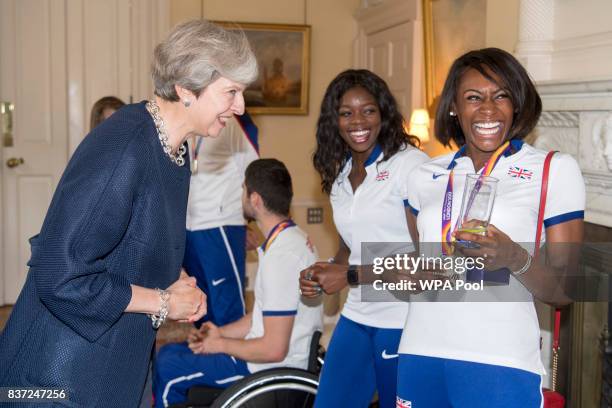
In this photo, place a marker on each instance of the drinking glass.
(476, 205)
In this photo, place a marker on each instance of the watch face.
(351, 275)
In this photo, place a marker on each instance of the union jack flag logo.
(402, 403)
(383, 175)
(520, 173)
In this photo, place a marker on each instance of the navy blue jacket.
(117, 218)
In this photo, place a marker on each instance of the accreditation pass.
(32, 394)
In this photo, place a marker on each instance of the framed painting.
(283, 55)
(451, 28)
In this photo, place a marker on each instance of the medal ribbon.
(278, 228)
(447, 204)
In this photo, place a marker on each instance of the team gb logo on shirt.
(382, 175)
(402, 403)
(520, 173)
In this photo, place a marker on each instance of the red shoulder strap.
(543, 192)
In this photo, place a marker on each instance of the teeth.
(487, 125)
(359, 133)
(487, 128)
(488, 131)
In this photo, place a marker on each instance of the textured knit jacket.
(117, 218)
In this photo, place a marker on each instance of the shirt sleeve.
(243, 152)
(409, 190)
(565, 200)
(87, 219)
(280, 283)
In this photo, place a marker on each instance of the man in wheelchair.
(278, 331)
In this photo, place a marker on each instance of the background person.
(115, 231)
(103, 109)
(278, 331)
(216, 232)
(487, 354)
(364, 157)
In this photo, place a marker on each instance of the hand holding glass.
(476, 206)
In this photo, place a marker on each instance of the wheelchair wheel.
(279, 387)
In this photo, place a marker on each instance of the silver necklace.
(177, 158)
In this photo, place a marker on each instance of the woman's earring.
(187, 103)
(452, 113)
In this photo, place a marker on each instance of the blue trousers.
(216, 258)
(430, 382)
(360, 360)
(177, 369)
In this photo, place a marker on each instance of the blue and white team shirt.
(277, 293)
(375, 212)
(497, 333)
(215, 192)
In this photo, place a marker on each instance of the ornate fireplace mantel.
(577, 119)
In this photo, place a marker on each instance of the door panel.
(390, 56)
(32, 63)
(57, 57)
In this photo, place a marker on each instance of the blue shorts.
(216, 257)
(430, 382)
(177, 369)
(360, 360)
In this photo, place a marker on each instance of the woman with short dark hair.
(483, 349)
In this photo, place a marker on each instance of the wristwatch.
(352, 276)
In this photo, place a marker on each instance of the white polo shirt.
(277, 293)
(215, 191)
(375, 212)
(498, 333)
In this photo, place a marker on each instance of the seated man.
(278, 330)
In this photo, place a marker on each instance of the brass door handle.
(14, 162)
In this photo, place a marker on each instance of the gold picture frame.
(283, 55)
(430, 94)
(450, 28)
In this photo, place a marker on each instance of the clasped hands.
(187, 303)
(205, 340)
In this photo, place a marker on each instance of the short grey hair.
(196, 53)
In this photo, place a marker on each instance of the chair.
(275, 387)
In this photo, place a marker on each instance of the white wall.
(575, 18)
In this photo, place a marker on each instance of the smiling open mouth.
(360, 136)
(487, 128)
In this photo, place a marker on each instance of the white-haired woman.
(104, 272)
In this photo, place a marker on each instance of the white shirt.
(277, 294)
(215, 192)
(497, 333)
(375, 212)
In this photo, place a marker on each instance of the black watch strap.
(352, 276)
